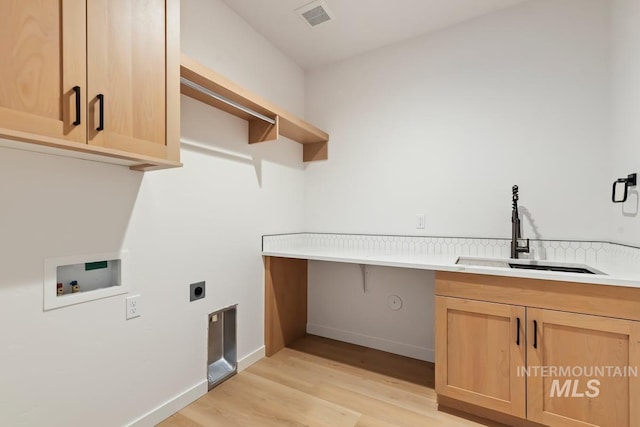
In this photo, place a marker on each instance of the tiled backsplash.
(590, 253)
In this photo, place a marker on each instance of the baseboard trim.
(420, 353)
(250, 359)
(171, 406)
(178, 402)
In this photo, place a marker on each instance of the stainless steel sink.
(528, 265)
(557, 268)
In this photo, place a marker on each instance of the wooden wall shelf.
(315, 142)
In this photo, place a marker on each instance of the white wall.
(427, 126)
(446, 123)
(340, 308)
(625, 145)
(87, 365)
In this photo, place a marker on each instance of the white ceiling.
(359, 25)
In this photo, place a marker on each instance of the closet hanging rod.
(227, 101)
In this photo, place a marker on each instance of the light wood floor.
(322, 382)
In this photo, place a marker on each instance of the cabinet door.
(43, 51)
(564, 387)
(479, 351)
(127, 68)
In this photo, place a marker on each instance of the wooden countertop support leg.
(285, 302)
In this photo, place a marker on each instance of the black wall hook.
(629, 181)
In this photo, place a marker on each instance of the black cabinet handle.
(76, 89)
(101, 112)
(517, 331)
(535, 334)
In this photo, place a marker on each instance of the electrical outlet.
(133, 306)
(197, 291)
(420, 221)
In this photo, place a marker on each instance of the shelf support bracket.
(315, 151)
(365, 276)
(261, 131)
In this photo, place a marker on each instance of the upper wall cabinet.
(93, 78)
(43, 51)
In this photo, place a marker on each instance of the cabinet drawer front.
(600, 300)
(478, 358)
(581, 372)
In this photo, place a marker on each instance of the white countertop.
(616, 274)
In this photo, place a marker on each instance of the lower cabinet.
(551, 367)
(479, 349)
(596, 362)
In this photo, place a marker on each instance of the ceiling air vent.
(315, 13)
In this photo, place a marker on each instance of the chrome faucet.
(516, 230)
